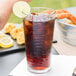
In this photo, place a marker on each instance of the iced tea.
(39, 34)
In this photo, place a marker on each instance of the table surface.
(9, 61)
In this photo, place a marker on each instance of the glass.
(39, 29)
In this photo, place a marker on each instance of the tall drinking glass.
(39, 29)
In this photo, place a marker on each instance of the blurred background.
(55, 4)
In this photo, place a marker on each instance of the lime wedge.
(21, 9)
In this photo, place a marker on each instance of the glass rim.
(46, 16)
(47, 8)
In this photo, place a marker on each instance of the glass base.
(38, 71)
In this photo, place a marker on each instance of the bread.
(21, 38)
(14, 33)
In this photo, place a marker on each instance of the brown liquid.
(38, 43)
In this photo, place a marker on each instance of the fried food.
(21, 38)
(62, 13)
(69, 22)
(14, 33)
(21, 29)
(8, 27)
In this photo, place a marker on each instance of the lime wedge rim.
(21, 9)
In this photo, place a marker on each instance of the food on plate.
(14, 33)
(8, 27)
(21, 29)
(69, 22)
(6, 41)
(21, 38)
(61, 14)
(1, 34)
(18, 33)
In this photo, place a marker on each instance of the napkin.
(61, 65)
